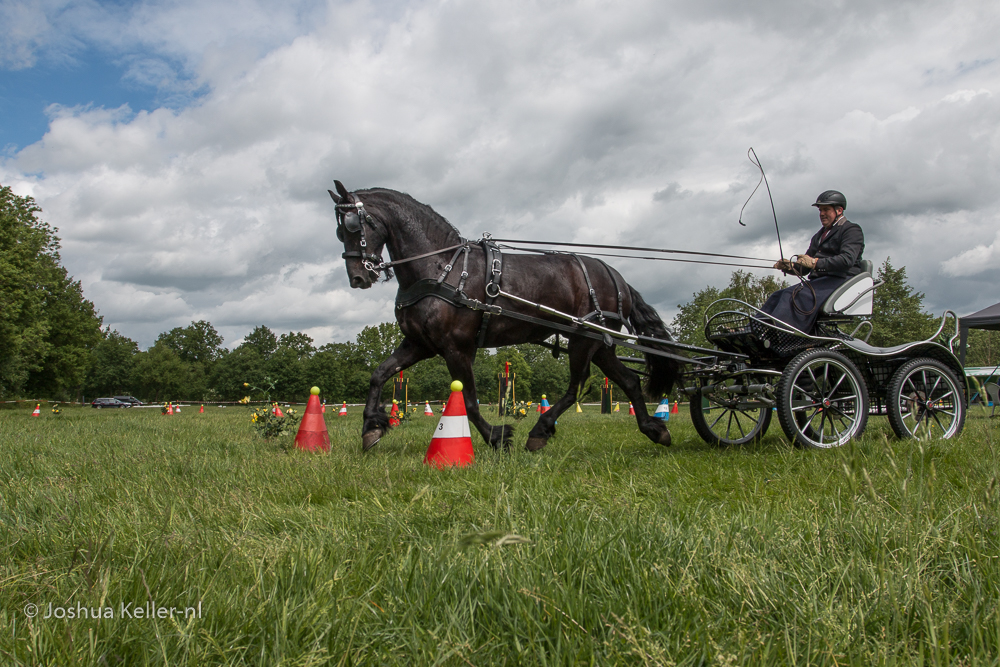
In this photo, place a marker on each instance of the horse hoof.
(664, 438)
(370, 439)
(534, 444)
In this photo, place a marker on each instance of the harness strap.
(590, 286)
(618, 288)
(449, 265)
(449, 294)
(494, 270)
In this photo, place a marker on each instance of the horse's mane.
(406, 209)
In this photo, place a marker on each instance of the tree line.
(53, 343)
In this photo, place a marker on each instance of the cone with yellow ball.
(312, 435)
(394, 414)
(452, 441)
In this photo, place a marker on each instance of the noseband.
(351, 218)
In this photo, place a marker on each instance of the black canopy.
(987, 318)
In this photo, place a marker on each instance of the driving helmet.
(831, 198)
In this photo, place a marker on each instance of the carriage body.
(822, 386)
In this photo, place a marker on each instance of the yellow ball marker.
(456, 385)
(314, 391)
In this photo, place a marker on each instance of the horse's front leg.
(376, 421)
(460, 367)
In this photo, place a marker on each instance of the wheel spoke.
(729, 425)
(842, 376)
(721, 415)
(805, 393)
(739, 424)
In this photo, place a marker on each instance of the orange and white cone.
(322, 408)
(312, 435)
(178, 408)
(38, 410)
(631, 410)
(394, 414)
(201, 410)
(427, 409)
(452, 441)
(277, 411)
(343, 410)
(170, 409)
(676, 409)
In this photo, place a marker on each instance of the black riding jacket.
(840, 252)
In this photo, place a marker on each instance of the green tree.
(376, 343)
(47, 328)
(232, 369)
(262, 340)
(983, 348)
(287, 365)
(197, 343)
(899, 315)
(161, 375)
(112, 362)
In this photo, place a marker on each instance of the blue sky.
(89, 80)
(626, 122)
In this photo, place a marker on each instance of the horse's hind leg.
(460, 366)
(624, 377)
(580, 352)
(376, 422)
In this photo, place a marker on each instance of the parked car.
(131, 400)
(109, 403)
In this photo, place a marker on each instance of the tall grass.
(601, 549)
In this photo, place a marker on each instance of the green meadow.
(196, 542)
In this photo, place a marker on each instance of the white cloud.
(580, 121)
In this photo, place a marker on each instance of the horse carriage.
(823, 385)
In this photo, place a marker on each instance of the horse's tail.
(663, 372)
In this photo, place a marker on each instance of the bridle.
(351, 218)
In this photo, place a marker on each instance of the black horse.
(421, 243)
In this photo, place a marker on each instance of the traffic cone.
(617, 407)
(343, 410)
(578, 408)
(663, 410)
(677, 407)
(394, 414)
(178, 408)
(322, 408)
(201, 410)
(312, 435)
(538, 408)
(277, 411)
(170, 409)
(38, 410)
(544, 406)
(631, 410)
(452, 441)
(427, 409)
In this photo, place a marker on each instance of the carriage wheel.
(822, 400)
(926, 401)
(732, 419)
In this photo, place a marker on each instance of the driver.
(834, 255)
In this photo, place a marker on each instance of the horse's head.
(362, 238)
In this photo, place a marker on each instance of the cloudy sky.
(184, 148)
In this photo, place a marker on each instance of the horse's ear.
(341, 189)
(335, 198)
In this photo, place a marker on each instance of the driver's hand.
(783, 265)
(807, 261)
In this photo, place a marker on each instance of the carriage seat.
(856, 297)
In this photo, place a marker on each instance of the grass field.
(602, 548)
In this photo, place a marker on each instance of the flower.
(246, 384)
